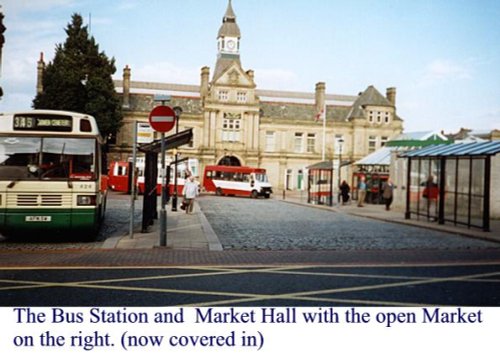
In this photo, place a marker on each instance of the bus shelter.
(375, 169)
(151, 150)
(320, 183)
(451, 183)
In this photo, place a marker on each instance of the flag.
(321, 115)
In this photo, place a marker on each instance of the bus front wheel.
(255, 194)
(218, 191)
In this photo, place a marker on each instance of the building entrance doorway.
(229, 160)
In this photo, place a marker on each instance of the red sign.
(162, 118)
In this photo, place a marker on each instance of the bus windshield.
(261, 177)
(47, 158)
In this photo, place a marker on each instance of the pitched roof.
(300, 111)
(224, 61)
(370, 96)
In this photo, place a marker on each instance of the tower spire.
(228, 42)
(229, 27)
(229, 13)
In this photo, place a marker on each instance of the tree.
(79, 79)
(2, 41)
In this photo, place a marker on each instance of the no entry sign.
(162, 118)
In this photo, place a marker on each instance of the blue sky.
(443, 56)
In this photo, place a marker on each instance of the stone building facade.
(234, 122)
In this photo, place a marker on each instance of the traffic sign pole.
(162, 119)
(132, 184)
(163, 211)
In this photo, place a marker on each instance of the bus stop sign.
(162, 118)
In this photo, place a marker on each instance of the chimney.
(320, 96)
(205, 74)
(391, 95)
(39, 77)
(126, 87)
(251, 74)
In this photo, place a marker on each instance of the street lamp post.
(340, 142)
(178, 112)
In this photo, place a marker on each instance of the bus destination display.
(42, 123)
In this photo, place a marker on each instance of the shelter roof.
(456, 150)
(322, 165)
(381, 156)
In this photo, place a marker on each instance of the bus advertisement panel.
(52, 173)
(236, 180)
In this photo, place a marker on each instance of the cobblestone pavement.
(248, 224)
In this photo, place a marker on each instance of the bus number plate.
(38, 218)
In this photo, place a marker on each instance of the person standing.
(361, 191)
(189, 192)
(344, 191)
(387, 194)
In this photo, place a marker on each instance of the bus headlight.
(86, 200)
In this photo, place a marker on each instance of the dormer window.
(241, 97)
(387, 117)
(223, 95)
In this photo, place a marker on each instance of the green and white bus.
(52, 174)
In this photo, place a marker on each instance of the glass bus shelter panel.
(450, 193)
(477, 192)
(463, 180)
(424, 187)
(414, 188)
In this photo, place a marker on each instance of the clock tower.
(228, 38)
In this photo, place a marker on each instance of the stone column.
(213, 128)
(206, 129)
(255, 131)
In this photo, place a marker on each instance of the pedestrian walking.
(361, 191)
(189, 192)
(344, 191)
(388, 193)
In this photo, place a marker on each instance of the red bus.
(236, 180)
(119, 175)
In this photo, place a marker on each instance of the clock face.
(230, 44)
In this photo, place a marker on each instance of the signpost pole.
(132, 185)
(178, 112)
(163, 212)
(162, 119)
